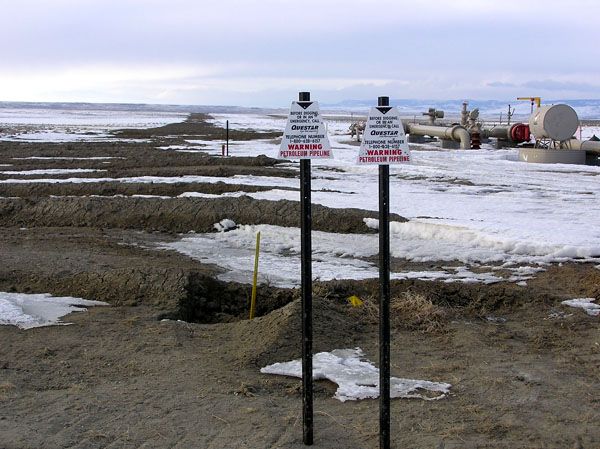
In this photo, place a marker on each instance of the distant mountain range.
(134, 107)
(586, 109)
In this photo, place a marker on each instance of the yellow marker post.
(355, 301)
(253, 300)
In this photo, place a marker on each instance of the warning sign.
(305, 136)
(384, 141)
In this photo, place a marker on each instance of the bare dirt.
(525, 370)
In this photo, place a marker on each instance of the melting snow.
(343, 256)
(225, 225)
(357, 378)
(586, 304)
(35, 310)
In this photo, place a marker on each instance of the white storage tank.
(556, 122)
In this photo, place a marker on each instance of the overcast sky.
(262, 52)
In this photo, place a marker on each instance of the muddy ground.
(525, 370)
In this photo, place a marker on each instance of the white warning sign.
(384, 141)
(305, 136)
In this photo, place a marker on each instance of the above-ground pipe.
(499, 132)
(589, 146)
(457, 133)
(518, 132)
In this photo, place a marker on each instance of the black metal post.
(384, 300)
(227, 138)
(306, 286)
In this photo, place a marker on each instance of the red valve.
(520, 133)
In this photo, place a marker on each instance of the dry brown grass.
(410, 310)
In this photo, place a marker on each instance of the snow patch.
(422, 241)
(335, 256)
(586, 304)
(225, 225)
(358, 378)
(35, 310)
(212, 195)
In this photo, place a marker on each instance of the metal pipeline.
(499, 132)
(590, 146)
(457, 133)
(517, 132)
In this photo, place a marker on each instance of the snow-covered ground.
(340, 256)
(478, 207)
(586, 132)
(34, 310)
(69, 125)
(358, 378)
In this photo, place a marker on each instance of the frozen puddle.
(357, 378)
(35, 310)
(586, 304)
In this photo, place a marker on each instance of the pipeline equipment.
(456, 133)
(517, 133)
(555, 122)
(433, 114)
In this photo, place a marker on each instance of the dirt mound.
(277, 336)
(195, 125)
(472, 299)
(103, 265)
(223, 170)
(121, 188)
(117, 154)
(568, 281)
(23, 150)
(133, 286)
(174, 215)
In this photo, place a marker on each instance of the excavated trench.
(208, 300)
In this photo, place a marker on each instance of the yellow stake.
(253, 300)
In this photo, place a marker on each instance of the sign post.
(384, 143)
(305, 139)
(227, 138)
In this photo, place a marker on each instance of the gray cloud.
(554, 85)
(259, 50)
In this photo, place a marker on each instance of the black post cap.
(383, 101)
(303, 96)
